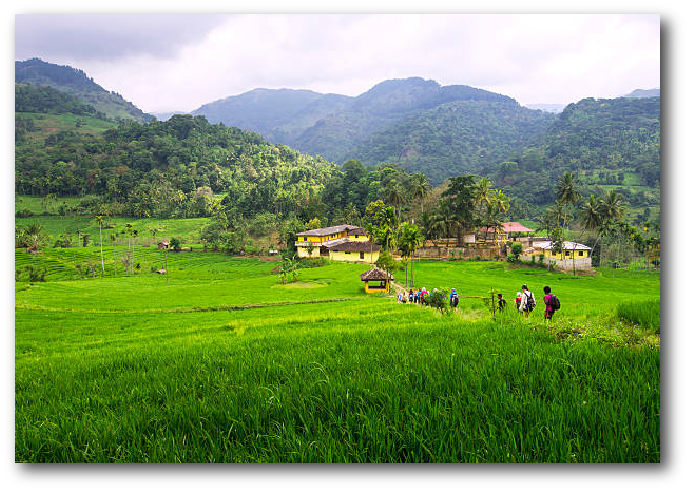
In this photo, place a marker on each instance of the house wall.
(368, 288)
(358, 238)
(568, 264)
(303, 252)
(459, 252)
(354, 256)
(314, 238)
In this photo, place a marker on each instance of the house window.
(581, 253)
(566, 253)
(347, 252)
(361, 255)
(356, 236)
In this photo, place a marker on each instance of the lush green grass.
(227, 364)
(188, 229)
(642, 312)
(53, 123)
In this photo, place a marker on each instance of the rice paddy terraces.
(226, 364)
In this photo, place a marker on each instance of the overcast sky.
(178, 62)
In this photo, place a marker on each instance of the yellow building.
(339, 243)
(573, 255)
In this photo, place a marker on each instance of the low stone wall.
(564, 264)
(458, 252)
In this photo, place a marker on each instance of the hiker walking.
(454, 299)
(518, 300)
(501, 303)
(552, 303)
(528, 303)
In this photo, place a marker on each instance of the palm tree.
(483, 193)
(420, 187)
(136, 234)
(99, 219)
(567, 189)
(442, 220)
(394, 193)
(568, 194)
(129, 226)
(410, 239)
(612, 206)
(113, 238)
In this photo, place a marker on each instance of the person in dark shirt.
(501, 302)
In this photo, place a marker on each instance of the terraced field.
(226, 364)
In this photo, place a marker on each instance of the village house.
(574, 254)
(510, 231)
(339, 243)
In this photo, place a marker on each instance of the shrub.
(387, 262)
(517, 248)
(438, 299)
(25, 213)
(541, 258)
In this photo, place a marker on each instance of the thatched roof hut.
(376, 274)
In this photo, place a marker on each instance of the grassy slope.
(102, 376)
(53, 123)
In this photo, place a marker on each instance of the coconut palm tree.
(442, 220)
(396, 196)
(567, 189)
(99, 219)
(129, 227)
(113, 238)
(410, 239)
(612, 206)
(419, 187)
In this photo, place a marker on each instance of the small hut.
(378, 275)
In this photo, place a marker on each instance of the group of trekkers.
(525, 301)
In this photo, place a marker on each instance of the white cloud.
(533, 58)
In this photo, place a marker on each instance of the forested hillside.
(608, 143)
(170, 169)
(337, 126)
(75, 82)
(455, 138)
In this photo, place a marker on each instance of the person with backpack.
(422, 296)
(454, 299)
(501, 303)
(552, 303)
(528, 302)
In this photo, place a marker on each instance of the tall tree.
(409, 240)
(419, 187)
(461, 194)
(99, 219)
(113, 238)
(568, 193)
(129, 227)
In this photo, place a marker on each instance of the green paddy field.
(226, 364)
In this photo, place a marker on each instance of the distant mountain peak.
(644, 93)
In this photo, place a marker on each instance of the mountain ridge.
(76, 82)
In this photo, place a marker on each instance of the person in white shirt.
(524, 306)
